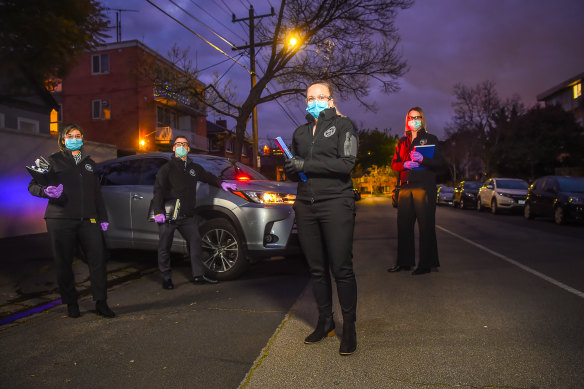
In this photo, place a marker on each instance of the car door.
(548, 196)
(118, 179)
(145, 233)
(486, 192)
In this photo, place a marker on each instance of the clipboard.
(288, 153)
(426, 150)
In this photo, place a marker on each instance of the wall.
(20, 212)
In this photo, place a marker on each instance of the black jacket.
(81, 197)
(425, 176)
(177, 180)
(329, 156)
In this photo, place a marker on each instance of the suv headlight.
(266, 197)
(504, 194)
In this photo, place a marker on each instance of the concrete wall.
(20, 212)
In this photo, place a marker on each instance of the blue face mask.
(180, 152)
(316, 107)
(73, 144)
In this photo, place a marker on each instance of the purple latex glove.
(104, 226)
(416, 156)
(160, 218)
(411, 164)
(54, 191)
(227, 186)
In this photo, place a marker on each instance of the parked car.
(465, 194)
(256, 220)
(356, 194)
(502, 193)
(445, 195)
(560, 197)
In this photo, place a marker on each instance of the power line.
(203, 24)
(213, 17)
(201, 37)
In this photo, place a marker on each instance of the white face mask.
(415, 125)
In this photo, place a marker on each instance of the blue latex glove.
(411, 164)
(54, 191)
(227, 186)
(160, 218)
(416, 156)
(104, 226)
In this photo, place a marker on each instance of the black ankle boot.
(349, 339)
(324, 328)
(102, 309)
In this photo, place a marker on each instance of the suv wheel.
(527, 211)
(479, 205)
(559, 215)
(494, 209)
(222, 249)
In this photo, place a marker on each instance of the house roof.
(566, 84)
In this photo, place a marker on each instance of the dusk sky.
(525, 46)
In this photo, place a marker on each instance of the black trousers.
(189, 229)
(417, 203)
(65, 236)
(325, 231)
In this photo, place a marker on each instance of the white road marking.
(519, 265)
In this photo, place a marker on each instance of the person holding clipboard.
(417, 158)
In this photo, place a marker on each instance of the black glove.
(293, 165)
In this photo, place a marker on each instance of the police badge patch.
(328, 133)
(88, 167)
(423, 142)
(192, 172)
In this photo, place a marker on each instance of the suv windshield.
(472, 185)
(512, 184)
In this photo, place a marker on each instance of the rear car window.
(121, 173)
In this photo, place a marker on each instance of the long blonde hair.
(421, 111)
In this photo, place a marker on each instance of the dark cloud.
(524, 46)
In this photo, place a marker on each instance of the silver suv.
(502, 193)
(255, 221)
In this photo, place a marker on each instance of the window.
(56, 118)
(122, 173)
(244, 150)
(28, 125)
(229, 146)
(100, 64)
(150, 167)
(166, 117)
(577, 90)
(101, 109)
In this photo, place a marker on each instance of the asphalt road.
(505, 310)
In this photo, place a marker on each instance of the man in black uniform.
(325, 150)
(177, 179)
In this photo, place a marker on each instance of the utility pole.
(119, 20)
(252, 45)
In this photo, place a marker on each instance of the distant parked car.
(502, 193)
(465, 194)
(356, 194)
(255, 220)
(560, 197)
(445, 195)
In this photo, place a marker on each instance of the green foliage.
(375, 148)
(43, 38)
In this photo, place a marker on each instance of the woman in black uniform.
(75, 215)
(325, 149)
(417, 196)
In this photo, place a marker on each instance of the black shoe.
(397, 268)
(349, 339)
(102, 309)
(167, 284)
(73, 310)
(324, 328)
(421, 270)
(200, 280)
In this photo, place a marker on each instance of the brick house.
(222, 142)
(111, 96)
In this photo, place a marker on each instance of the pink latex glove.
(411, 164)
(416, 156)
(227, 186)
(54, 191)
(160, 218)
(104, 226)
